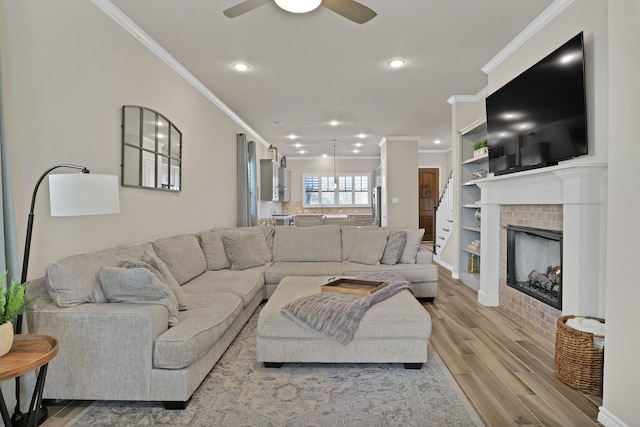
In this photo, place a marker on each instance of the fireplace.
(534, 263)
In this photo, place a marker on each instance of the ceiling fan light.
(298, 6)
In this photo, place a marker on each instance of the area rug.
(241, 392)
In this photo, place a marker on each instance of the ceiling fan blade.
(351, 10)
(244, 7)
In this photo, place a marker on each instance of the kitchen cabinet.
(284, 185)
(269, 179)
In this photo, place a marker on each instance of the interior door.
(428, 181)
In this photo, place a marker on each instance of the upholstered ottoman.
(395, 330)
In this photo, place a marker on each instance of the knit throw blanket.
(337, 316)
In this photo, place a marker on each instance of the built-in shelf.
(476, 159)
(469, 200)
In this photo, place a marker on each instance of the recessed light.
(334, 123)
(396, 63)
(437, 141)
(240, 66)
(361, 135)
(277, 124)
(324, 155)
(293, 136)
(358, 144)
(356, 151)
(301, 151)
(297, 145)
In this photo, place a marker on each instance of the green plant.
(480, 144)
(12, 302)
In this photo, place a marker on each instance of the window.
(350, 190)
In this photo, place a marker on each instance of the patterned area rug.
(241, 392)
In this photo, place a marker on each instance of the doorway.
(428, 185)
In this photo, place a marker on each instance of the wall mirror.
(151, 150)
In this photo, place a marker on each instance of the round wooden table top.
(28, 352)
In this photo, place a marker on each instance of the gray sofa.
(217, 278)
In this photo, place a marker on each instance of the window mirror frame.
(151, 150)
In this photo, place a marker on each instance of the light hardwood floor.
(504, 368)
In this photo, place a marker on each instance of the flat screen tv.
(539, 118)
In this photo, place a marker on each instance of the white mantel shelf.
(580, 189)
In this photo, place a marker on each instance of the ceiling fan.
(350, 9)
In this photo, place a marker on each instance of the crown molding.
(132, 28)
(543, 19)
(482, 94)
(386, 139)
(331, 158)
(443, 151)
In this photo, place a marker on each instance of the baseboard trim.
(608, 419)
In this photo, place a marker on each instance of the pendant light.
(298, 6)
(335, 175)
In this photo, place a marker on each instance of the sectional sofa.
(148, 322)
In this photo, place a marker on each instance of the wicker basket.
(577, 362)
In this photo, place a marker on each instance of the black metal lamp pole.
(18, 417)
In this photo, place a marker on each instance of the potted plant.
(12, 303)
(480, 148)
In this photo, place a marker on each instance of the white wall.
(67, 69)
(621, 373)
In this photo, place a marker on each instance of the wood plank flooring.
(504, 368)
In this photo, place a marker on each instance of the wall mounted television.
(539, 118)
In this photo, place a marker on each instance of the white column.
(581, 241)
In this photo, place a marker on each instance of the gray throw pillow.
(158, 264)
(138, 286)
(368, 246)
(242, 250)
(213, 248)
(414, 237)
(395, 246)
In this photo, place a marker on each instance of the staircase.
(444, 218)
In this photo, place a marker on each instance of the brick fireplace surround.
(534, 313)
(571, 198)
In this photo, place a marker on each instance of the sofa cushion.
(242, 251)
(319, 243)
(138, 286)
(198, 330)
(411, 272)
(158, 264)
(368, 246)
(183, 256)
(414, 238)
(395, 246)
(348, 235)
(245, 284)
(279, 270)
(74, 280)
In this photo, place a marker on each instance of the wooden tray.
(353, 286)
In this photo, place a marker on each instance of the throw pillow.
(213, 249)
(368, 246)
(395, 246)
(183, 256)
(242, 250)
(158, 264)
(138, 286)
(414, 237)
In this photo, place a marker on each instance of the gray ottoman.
(393, 331)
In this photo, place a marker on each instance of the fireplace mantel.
(581, 189)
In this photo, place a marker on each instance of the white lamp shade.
(298, 6)
(83, 194)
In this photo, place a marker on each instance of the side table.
(29, 352)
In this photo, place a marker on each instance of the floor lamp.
(70, 195)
